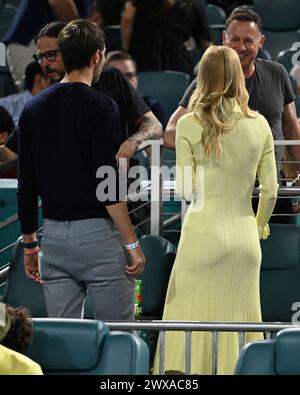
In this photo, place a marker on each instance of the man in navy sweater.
(86, 230)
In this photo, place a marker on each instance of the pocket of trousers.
(45, 260)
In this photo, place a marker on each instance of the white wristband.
(132, 246)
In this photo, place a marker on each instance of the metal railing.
(192, 326)
(156, 190)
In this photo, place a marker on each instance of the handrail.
(200, 326)
(190, 326)
(7, 247)
(283, 191)
(286, 142)
(9, 221)
(3, 273)
(150, 143)
(156, 191)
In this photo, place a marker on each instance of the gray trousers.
(77, 256)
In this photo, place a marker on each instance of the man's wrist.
(132, 246)
(31, 251)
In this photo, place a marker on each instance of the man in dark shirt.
(83, 228)
(125, 63)
(138, 123)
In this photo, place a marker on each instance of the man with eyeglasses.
(269, 88)
(138, 123)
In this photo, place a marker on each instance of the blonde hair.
(220, 79)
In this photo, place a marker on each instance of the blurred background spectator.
(7, 170)
(107, 12)
(125, 63)
(35, 82)
(31, 16)
(155, 33)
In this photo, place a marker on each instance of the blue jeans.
(77, 256)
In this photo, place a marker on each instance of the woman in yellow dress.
(216, 273)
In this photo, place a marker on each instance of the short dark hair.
(19, 336)
(6, 121)
(31, 71)
(51, 30)
(244, 15)
(78, 41)
(115, 56)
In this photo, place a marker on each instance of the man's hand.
(32, 268)
(127, 150)
(138, 261)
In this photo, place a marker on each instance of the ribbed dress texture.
(215, 276)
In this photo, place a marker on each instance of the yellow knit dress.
(216, 272)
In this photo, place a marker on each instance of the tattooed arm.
(150, 129)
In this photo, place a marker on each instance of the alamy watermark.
(296, 316)
(118, 185)
(296, 56)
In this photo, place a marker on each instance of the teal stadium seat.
(264, 54)
(20, 290)
(285, 57)
(216, 32)
(216, 19)
(7, 15)
(168, 88)
(86, 347)
(160, 255)
(9, 231)
(272, 357)
(281, 23)
(165, 86)
(215, 15)
(280, 273)
(201, 2)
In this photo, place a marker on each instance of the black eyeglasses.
(49, 55)
(130, 74)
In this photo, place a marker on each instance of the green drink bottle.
(138, 300)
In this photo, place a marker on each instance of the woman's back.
(229, 181)
(231, 177)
